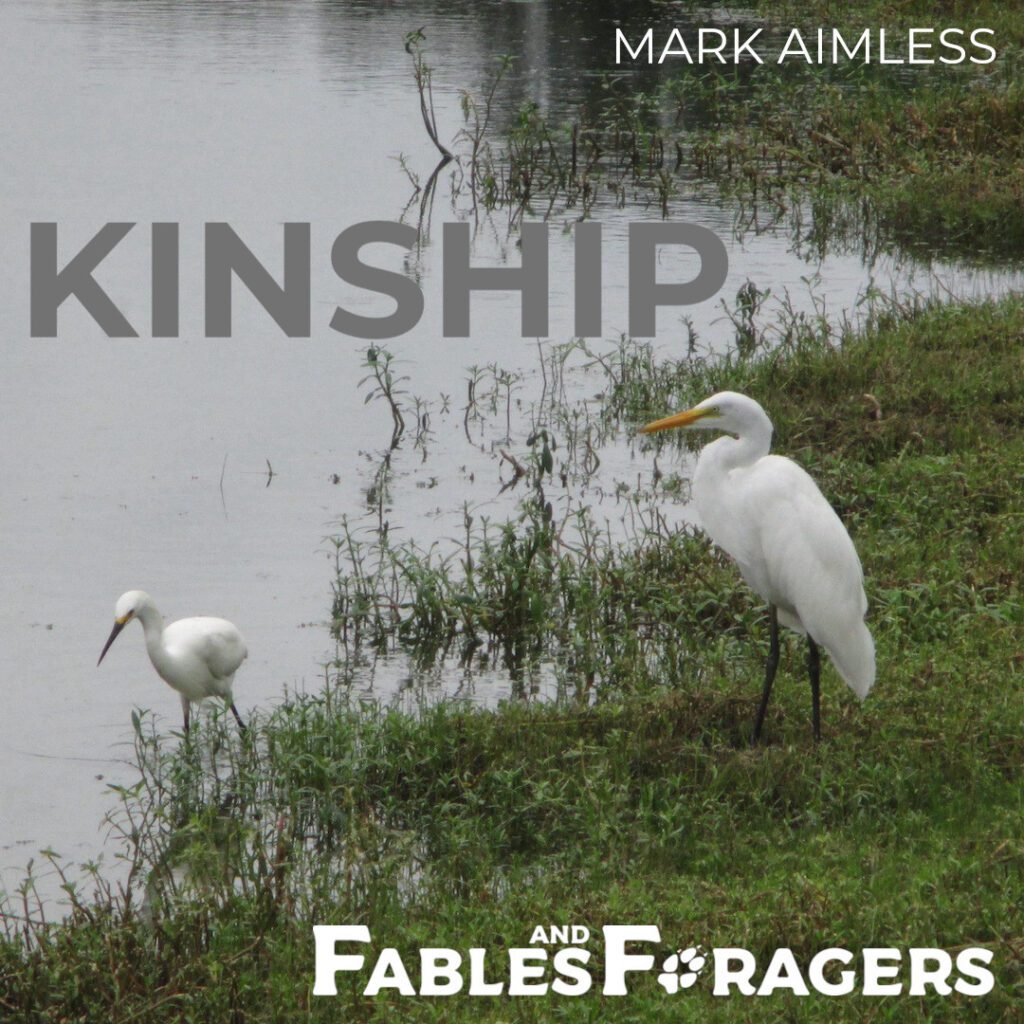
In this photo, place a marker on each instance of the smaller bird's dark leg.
(770, 669)
(238, 718)
(185, 712)
(814, 671)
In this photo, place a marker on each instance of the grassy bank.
(876, 157)
(930, 159)
(994, 14)
(642, 801)
(936, 166)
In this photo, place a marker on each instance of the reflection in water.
(145, 463)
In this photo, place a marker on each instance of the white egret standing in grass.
(197, 657)
(788, 542)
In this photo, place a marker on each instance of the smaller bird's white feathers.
(199, 657)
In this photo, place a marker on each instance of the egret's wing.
(217, 642)
(806, 563)
(800, 537)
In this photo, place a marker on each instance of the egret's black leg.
(770, 668)
(185, 713)
(238, 718)
(814, 671)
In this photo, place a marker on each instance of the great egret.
(197, 657)
(789, 544)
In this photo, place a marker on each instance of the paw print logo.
(681, 969)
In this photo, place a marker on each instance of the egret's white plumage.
(790, 546)
(197, 657)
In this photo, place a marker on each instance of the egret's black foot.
(242, 728)
(814, 672)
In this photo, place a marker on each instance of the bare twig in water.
(424, 74)
(517, 468)
(223, 501)
(427, 200)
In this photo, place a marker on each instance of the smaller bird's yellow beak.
(679, 419)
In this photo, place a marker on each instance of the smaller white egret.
(789, 544)
(197, 657)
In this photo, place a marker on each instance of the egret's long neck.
(753, 444)
(152, 625)
(711, 490)
(728, 453)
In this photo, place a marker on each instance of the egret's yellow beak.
(119, 624)
(679, 419)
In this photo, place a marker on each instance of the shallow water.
(142, 463)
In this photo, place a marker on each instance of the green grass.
(931, 161)
(925, 158)
(643, 802)
(935, 165)
(1003, 18)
